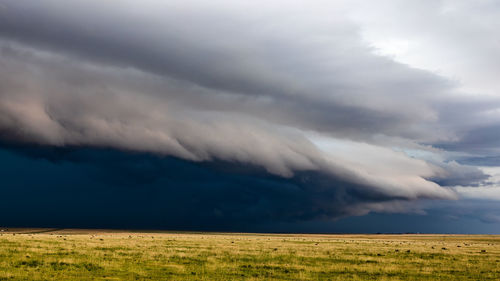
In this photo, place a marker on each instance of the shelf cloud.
(290, 109)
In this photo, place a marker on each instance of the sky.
(259, 116)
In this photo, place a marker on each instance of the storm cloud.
(266, 112)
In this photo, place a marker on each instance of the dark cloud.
(80, 104)
(84, 187)
(458, 174)
(225, 113)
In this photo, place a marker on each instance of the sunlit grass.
(189, 256)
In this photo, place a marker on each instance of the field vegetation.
(101, 255)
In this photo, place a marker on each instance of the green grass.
(187, 256)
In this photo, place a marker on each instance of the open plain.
(50, 254)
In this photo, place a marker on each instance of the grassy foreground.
(94, 255)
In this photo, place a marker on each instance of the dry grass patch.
(76, 255)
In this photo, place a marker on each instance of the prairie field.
(38, 254)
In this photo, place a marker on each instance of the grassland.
(99, 255)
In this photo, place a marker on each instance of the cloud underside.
(230, 86)
(136, 190)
